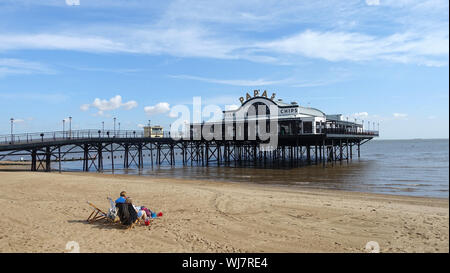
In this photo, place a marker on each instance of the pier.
(127, 149)
(304, 136)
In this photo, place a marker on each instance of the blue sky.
(378, 60)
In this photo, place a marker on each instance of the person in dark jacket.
(127, 214)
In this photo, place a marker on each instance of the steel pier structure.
(128, 149)
(304, 135)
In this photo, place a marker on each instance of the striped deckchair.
(97, 214)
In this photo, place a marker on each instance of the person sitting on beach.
(122, 199)
(127, 213)
(141, 214)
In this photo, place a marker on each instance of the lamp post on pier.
(114, 126)
(12, 125)
(70, 127)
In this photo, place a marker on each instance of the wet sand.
(15, 165)
(41, 212)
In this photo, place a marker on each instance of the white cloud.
(292, 81)
(76, 42)
(373, 2)
(257, 82)
(366, 117)
(73, 2)
(400, 115)
(231, 107)
(411, 32)
(129, 105)
(53, 98)
(160, 108)
(229, 99)
(181, 42)
(85, 107)
(360, 115)
(429, 48)
(9, 66)
(106, 70)
(113, 103)
(141, 125)
(335, 46)
(173, 115)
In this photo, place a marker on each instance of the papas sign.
(256, 94)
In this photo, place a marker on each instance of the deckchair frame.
(97, 214)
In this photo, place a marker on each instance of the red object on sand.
(147, 222)
(160, 214)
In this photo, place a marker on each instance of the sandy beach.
(41, 212)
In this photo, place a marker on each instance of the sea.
(418, 167)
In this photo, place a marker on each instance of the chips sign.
(255, 95)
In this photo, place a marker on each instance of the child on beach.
(123, 197)
(140, 213)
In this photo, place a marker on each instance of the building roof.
(311, 111)
(281, 104)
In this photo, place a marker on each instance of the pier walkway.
(127, 149)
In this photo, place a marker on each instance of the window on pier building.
(286, 128)
(299, 125)
(307, 127)
(318, 127)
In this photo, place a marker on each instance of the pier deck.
(127, 149)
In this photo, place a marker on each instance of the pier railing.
(349, 131)
(74, 134)
(97, 134)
